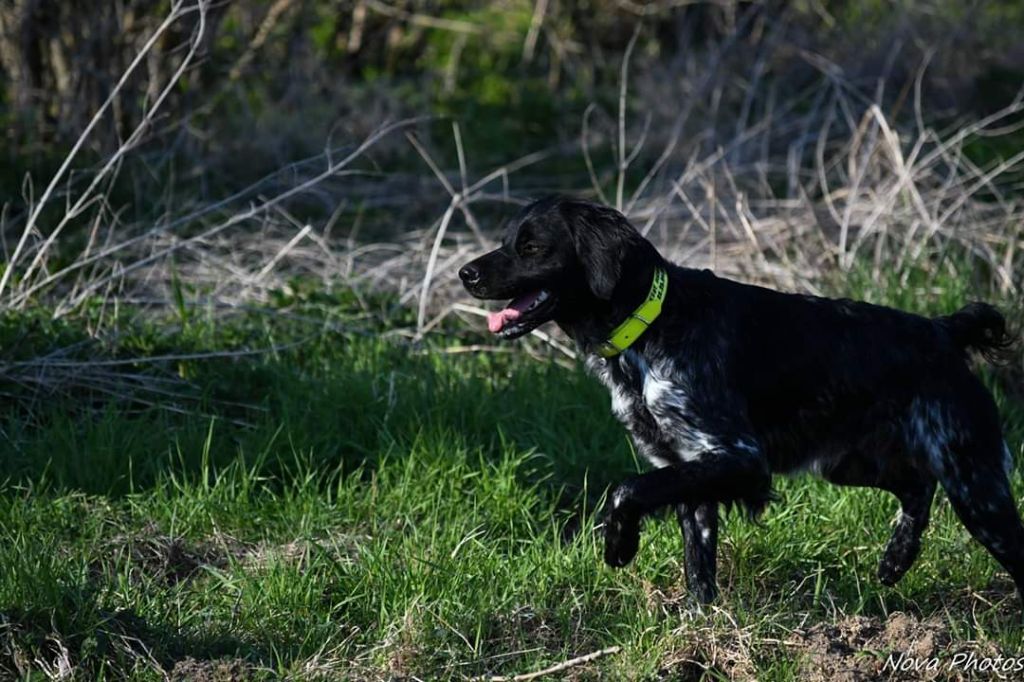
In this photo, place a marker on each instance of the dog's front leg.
(712, 477)
(699, 523)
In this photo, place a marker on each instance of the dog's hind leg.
(980, 496)
(905, 543)
(699, 523)
(913, 487)
(961, 439)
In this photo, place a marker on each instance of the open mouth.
(523, 314)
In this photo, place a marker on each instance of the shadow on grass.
(341, 409)
(121, 611)
(97, 643)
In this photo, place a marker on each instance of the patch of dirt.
(852, 649)
(219, 670)
(172, 559)
(340, 547)
(525, 628)
(857, 647)
(166, 558)
(511, 637)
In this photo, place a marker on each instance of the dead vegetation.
(799, 190)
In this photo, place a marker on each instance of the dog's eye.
(530, 249)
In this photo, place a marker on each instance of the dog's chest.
(624, 377)
(656, 409)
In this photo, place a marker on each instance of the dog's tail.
(981, 327)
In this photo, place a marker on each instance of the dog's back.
(822, 375)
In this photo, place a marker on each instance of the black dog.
(732, 383)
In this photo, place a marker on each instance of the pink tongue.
(496, 321)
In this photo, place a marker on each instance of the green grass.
(394, 510)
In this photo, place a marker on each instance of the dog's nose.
(469, 274)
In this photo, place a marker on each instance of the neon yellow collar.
(623, 336)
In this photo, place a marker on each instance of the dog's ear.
(603, 238)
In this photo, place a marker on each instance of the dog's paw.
(897, 559)
(890, 570)
(703, 591)
(621, 539)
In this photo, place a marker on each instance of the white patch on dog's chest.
(623, 402)
(640, 392)
(669, 404)
(661, 395)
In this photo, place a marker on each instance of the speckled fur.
(734, 383)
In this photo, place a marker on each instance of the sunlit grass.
(393, 510)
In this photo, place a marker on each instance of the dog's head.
(558, 258)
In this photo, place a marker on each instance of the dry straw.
(790, 196)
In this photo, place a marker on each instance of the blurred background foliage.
(758, 113)
(289, 72)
